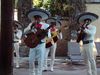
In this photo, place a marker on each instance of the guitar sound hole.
(41, 34)
(32, 41)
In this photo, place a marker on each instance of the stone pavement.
(61, 67)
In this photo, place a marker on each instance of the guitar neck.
(49, 27)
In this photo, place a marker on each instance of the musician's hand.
(83, 27)
(46, 31)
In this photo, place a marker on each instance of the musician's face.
(15, 27)
(39, 18)
(87, 21)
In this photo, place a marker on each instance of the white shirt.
(90, 32)
(44, 26)
(17, 35)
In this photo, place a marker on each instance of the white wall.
(95, 8)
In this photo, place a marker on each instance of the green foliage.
(57, 7)
(15, 3)
(37, 3)
(66, 8)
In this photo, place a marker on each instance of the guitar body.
(81, 36)
(41, 33)
(55, 36)
(31, 40)
(49, 42)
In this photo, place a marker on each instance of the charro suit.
(38, 51)
(52, 51)
(87, 51)
(17, 37)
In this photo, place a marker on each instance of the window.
(92, 0)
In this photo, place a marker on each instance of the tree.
(67, 9)
(23, 7)
(78, 7)
(37, 3)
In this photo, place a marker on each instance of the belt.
(15, 41)
(88, 41)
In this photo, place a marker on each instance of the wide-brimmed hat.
(87, 15)
(58, 23)
(50, 20)
(37, 11)
(17, 23)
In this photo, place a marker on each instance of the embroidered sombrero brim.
(50, 20)
(58, 23)
(87, 15)
(19, 24)
(37, 11)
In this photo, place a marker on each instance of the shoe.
(17, 66)
(45, 70)
(51, 69)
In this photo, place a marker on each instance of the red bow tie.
(52, 29)
(85, 27)
(38, 25)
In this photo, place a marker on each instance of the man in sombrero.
(56, 34)
(17, 36)
(37, 15)
(89, 30)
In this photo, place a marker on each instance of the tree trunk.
(23, 7)
(6, 51)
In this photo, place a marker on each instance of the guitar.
(49, 42)
(52, 40)
(55, 36)
(81, 35)
(33, 39)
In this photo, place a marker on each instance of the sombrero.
(50, 20)
(37, 11)
(58, 23)
(87, 15)
(19, 24)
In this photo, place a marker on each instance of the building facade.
(94, 7)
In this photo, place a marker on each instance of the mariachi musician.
(17, 37)
(87, 36)
(36, 15)
(56, 34)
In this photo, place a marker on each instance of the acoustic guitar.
(55, 36)
(81, 35)
(33, 39)
(49, 42)
(52, 40)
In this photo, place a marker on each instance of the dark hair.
(87, 19)
(37, 16)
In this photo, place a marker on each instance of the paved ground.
(61, 67)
